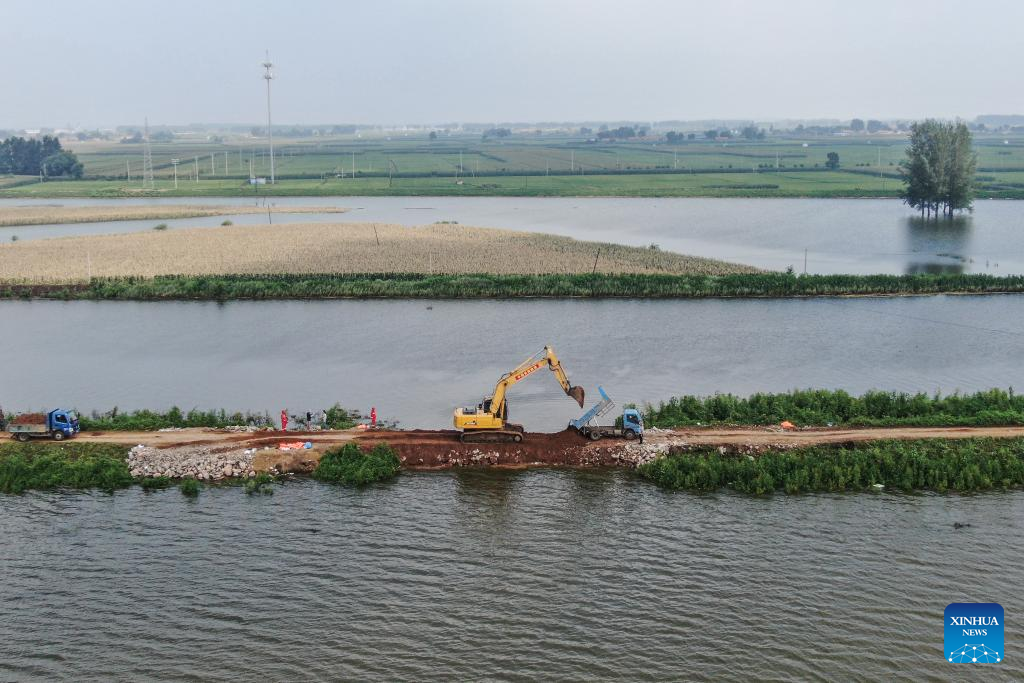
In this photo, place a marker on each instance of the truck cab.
(632, 424)
(63, 421)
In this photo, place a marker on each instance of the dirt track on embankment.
(439, 449)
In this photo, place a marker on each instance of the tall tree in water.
(938, 173)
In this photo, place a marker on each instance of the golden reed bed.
(45, 215)
(334, 248)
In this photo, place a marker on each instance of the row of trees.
(34, 157)
(938, 173)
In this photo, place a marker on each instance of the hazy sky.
(397, 61)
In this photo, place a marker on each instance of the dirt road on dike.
(428, 449)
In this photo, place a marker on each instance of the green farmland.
(519, 165)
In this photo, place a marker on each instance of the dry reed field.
(334, 248)
(45, 215)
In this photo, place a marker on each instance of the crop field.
(735, 184)
(44, 215)
(523, 164)
(334, 248)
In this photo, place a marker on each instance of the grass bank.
(488, 286)
(73, 465)
(994, 407)
(149, 420)
(934, 465)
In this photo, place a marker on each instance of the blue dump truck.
(57, 424)
(588, 423)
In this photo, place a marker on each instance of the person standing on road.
(323, 419)
(284, 420)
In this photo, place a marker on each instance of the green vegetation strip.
(994, 407)
(961, 465)
(412, 285)
(148, 420)
(349, 465)
(47, 466)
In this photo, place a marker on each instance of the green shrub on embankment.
(350, 465)
(489, 286)
(993, 407)
(48, 465)
(961, 465)
(149, 420)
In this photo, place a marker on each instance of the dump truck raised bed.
(57, 424)
(587, 423)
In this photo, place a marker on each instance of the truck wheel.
(58, 435)
(22, 437)
(517, 438)
(594, 435)
(629, 435)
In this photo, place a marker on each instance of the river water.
(417, 360)
(485, 575)
(839, 235)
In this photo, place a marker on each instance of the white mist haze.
(399, 61)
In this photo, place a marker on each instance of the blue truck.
(57, 424)
(588, 424)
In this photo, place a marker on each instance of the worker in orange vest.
(373, 416)
(284, 420)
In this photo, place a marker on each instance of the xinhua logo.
(973, 633)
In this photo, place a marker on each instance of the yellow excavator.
(489, 420)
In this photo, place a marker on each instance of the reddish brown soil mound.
(426, 449)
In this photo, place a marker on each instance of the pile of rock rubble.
(190, 461)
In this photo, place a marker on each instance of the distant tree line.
(622, 133)
(32, 157)
(496, 133)
(673, 137)
(938, 173)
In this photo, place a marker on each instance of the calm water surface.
(840, 235)
(416, 360)
(536, 575)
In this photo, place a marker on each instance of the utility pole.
(572, 161)
(128, 170)
(196, 179)
(353, 165)
(147, 160)
(174, 163)
(213, 166)
(225, 164)
(269, 75)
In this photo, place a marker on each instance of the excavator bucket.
(577, 394)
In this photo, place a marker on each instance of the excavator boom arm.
(527, 368)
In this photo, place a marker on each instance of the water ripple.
(545, 574)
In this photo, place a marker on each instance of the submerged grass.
(491, 286)
(189, 487)
(351, 466)
(962, 465)
(73, 465)
(994, 407)
(261, 483)
(154, 483)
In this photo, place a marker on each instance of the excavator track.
(493, 435)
